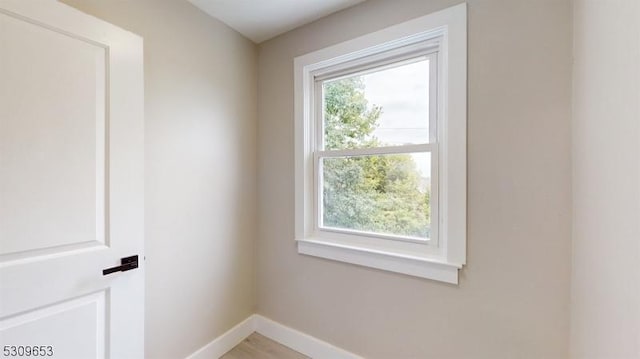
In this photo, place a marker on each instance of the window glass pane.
(389, 107)
(385, 194)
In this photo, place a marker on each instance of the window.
(381, 148)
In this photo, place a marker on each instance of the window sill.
(424, 267)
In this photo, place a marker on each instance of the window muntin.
(376, 158)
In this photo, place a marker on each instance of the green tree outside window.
(377, 193)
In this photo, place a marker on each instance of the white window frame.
(442, 35)
(426, 50)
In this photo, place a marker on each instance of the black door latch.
(127, 263)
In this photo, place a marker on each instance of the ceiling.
(261, 20)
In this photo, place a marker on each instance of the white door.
(71, 184)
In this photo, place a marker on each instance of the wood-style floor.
(257, 346)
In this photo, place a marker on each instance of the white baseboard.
(222, 344)
(298, 341)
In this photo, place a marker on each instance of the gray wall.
(605, 305)
(200, 89)
(513, 297)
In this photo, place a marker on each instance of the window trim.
(445, 29)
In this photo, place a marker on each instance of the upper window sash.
(428, 50)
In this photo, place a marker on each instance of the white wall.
(200, 89)
(513, 297)
(605, 303)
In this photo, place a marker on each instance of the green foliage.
(349, 122)
(369, 193)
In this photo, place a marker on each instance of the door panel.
(52, 150)
(71, 182)
(75, 326)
